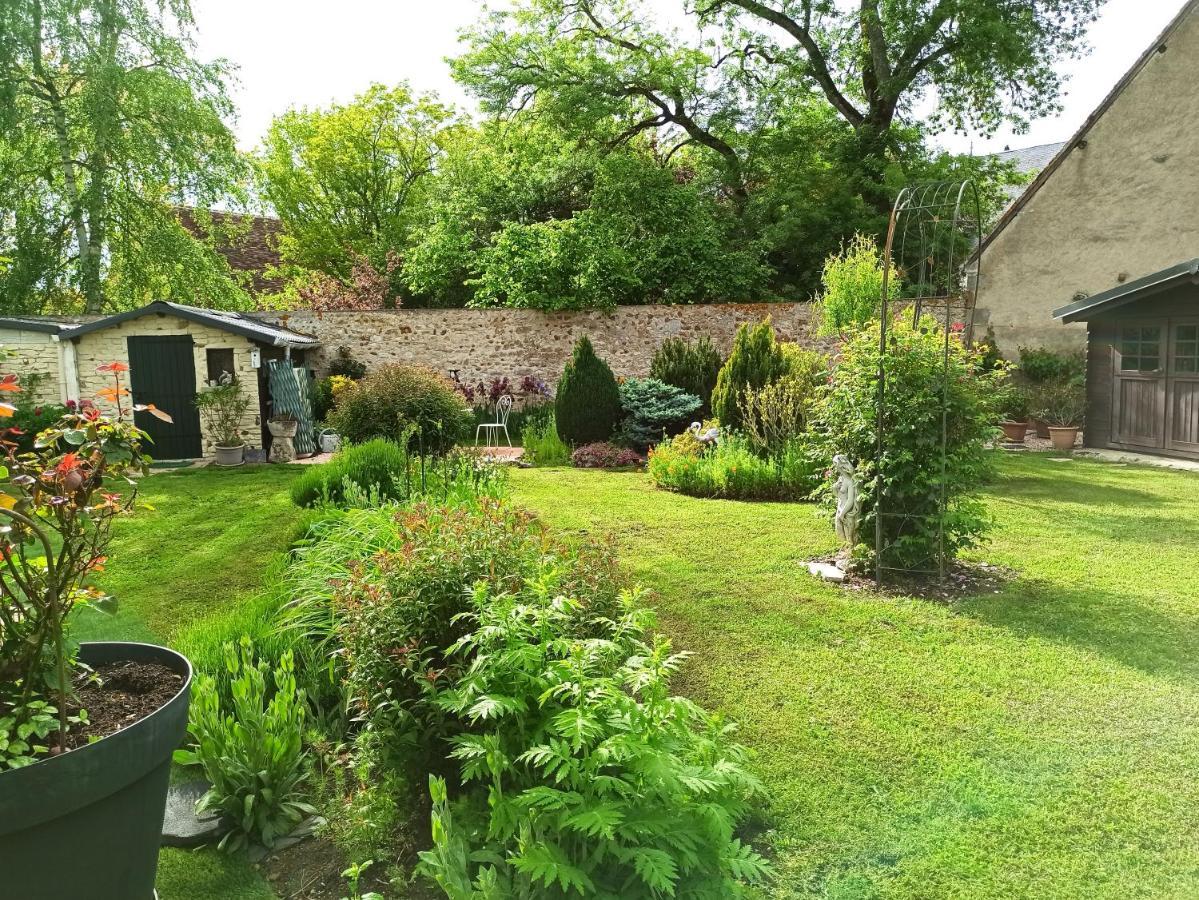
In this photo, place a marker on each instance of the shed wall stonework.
(34, 353)
(109, 345)
(483, 344)
(1118, 208)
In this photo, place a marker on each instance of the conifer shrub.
(587, 407)
(653, 410)
(691, 367)
(756, 360)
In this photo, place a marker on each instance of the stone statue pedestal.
(283, 448)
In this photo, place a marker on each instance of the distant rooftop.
(1030, 159)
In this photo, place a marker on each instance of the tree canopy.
(110, 125)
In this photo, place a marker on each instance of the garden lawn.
(207, 541)
(1040, 741)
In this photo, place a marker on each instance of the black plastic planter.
(86, 825)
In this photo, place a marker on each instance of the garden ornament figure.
(711, 436)
(849, 501)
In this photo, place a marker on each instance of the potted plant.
(86, 734)
(1062, 407)
(1015, 415)
(222, 405)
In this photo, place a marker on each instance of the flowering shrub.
(602, 455)
(59, 502)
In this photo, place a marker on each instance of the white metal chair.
(503, 407)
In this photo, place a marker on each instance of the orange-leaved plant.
(57, 504)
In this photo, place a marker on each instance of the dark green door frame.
(162, 371)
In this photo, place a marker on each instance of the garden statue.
(849, 501)
(705, 436)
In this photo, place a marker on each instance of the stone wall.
(483, 344)
(34, 353)
(109, 345)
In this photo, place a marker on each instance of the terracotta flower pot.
(1063, 438)
(1014, 432)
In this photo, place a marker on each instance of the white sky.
(309, 52)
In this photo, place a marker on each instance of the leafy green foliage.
(755, 360)
(371, 158)
(691, 367)
(222, 405)
(251, 751)
(109, 124)
(653, 410)
(542, 445)
(25, 730)
(591, 778)
(1059, 404)
(852, 286)
(587, 406)
(378, 464)
(393, 398)
(913, 474)
(733, 469)
(774, 415)
(643, 238)
(1039, 365)
(346, 365)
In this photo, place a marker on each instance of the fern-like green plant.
(592, 779)
(587, 406)
(852, 287)
(756, 360)
(253, 752)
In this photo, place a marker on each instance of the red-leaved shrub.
(602, 455)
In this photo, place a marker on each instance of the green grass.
(1035, 742)
(204, 547)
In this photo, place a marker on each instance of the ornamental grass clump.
(733, 470)
(914, 477)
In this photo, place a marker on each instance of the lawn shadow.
(1124, 628)
(1071, 483)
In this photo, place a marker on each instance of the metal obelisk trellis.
(934, 230)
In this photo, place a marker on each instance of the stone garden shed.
(1143, 363)
(171, 351)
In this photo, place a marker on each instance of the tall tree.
(346, 180)
(872, 61)
(118, 125)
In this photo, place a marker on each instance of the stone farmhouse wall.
(109, 345)
(34, 353)
(487, 343)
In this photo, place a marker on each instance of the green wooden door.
(162, 371)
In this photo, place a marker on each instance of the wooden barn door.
(162, 371)
(1139, 389)
(1182, 387)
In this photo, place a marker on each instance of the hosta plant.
(57, 504)
(252, 752)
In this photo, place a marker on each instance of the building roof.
(1079, 138)
(34, 323)
(1087, 308)
(1030, 159)
(251, 250)
(233, 322)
